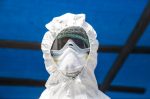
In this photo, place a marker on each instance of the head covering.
(86, 83)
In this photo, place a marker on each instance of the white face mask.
(71, 61)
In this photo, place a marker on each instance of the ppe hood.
(86, 81)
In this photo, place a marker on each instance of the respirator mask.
(70, 51)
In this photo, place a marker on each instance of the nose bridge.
(70, 42)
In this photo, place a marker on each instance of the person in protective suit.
(70, 56)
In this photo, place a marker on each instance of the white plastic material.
(58, 86)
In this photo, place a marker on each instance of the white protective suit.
(58, 86)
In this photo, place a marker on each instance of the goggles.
(76, 34)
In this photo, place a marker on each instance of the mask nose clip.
(70, 43)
